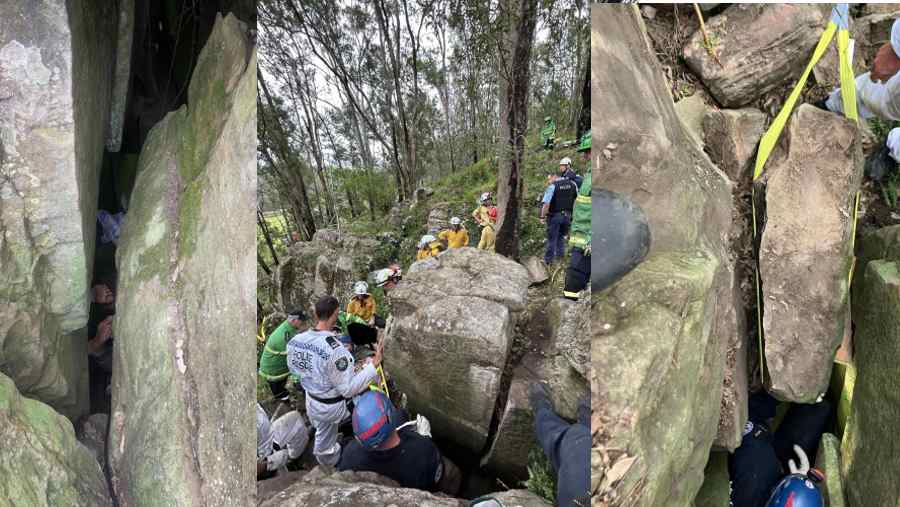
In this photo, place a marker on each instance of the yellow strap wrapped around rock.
(839, 23)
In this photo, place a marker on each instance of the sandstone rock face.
(883, 244)
(350, 489)
(122, 77)
(55, 74)
(731, 138)
(716, 490)
(537, 271)
(43, 464)
(562, 361)
(91, 432)
(185, 299)
(327, 265)
(869, 449)
(449, 335)
(805, 256)
(760, 46)
(691, 110)
(828, 460)
(659, 336)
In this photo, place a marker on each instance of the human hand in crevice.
(103, 335)
(103, 294)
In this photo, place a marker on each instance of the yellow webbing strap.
(261, 335)
(770, 139)
(383, 387)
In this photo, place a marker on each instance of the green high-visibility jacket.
(580, 235)
(273, 361)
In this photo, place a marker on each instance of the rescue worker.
(567, 446)
(278, 442)
(548, 133)
(565, 171)
(326, 372)
(456, 236)
(362, 304)
(389, 277)
(756, 468)
(579, 270)
(273, 360)
(429, 246)
(484, 218)
(402, 452)
(556, 213)
(878, 95)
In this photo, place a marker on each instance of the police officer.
(326, 372)
(556, 212)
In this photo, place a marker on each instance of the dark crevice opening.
(167, 40)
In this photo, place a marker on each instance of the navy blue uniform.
(568, 448)
(414, 463)
(761, 461)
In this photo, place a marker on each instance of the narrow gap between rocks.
(166, 39)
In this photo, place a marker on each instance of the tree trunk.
(261, 220)
(298, 188)
(584, 116)
(515, 66)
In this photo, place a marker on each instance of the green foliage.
(541, 479)
(889, 189)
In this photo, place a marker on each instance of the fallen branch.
(706, 41)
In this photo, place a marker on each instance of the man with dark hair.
(326, 371)
(273, 361)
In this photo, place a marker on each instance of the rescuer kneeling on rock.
(327, 374)
(402, 452)
(273, 361)
(278, 442)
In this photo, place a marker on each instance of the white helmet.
(565, 161)
(455, 221)
(428, 238)
(383, 276)
(485, 196)
(360, 288)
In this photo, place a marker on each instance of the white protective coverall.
(876, 99)
(288, 431)
(325, 368)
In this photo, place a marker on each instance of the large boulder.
(760, 46)
(731, 137)
(449, 335)
(55, 77)
(805, 254)
(660, 334)
(327, 265)
(181, 424)
(43, 464)
(691, 110)
(350, 489)
(883, 243)
(828, 460)
(716, 490)
(560, 352)
(870, 447)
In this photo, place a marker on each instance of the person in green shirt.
(273, 361)
(579, 270)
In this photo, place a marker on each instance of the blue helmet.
(373, 419)
(796, 491)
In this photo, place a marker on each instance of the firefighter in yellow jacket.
(486, 219)
(456, 236)
(429, 246)
(362, 304)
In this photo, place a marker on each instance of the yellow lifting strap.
(261, 334)
(839, 23)
(383, 387)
